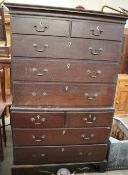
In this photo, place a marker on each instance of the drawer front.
(63, 154)
(60, 136)
(58, 47)
(40, 26)
(37, 120)
(88, 119)
(61, 94)
(67, 71)
(97, 30)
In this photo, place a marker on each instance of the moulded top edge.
(61, 10)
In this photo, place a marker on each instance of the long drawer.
(60, 136)
(63, 154)
(64, 70)
(40, 26)
(60, 120)
(62, 94)
(59, 47)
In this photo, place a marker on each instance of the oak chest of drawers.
(64, 71)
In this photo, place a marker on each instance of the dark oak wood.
(26, 119)
(57, 27)
(52, 169)
(88, 119)
(64, 94)
(63, 136)
(16, 8)
(96, 30)
(37, 119)
(40, 26)
(59, 47)
(63, 154)
(64, 70)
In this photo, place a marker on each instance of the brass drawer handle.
(93, 74)
(35, 156)
(91, 97)
(95, 51)
(90, 119)
(40, 27)
(40, 72)
(34, 94)
(97, 32)
(42, 155)
(38, 139)
(38, 49)
(85, 137)
(85, 154)
(38, 120)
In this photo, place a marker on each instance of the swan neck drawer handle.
(39, 49)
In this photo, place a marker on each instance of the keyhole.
(69, 44)
(63, 132)
(68, 65)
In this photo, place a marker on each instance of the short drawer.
(60, 136)
(89, 119)
(64, 70)
(39, 26)
(59, 154)
(37, 120)
(62, 94)
(60, 47)
(97, 30)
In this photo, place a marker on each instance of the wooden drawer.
(37, 119)
(62, 94)
(97, 30)
(60, 136)
(39, 26)
(63, 154)
(64, 70)
(59, 47)
(88, 119)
